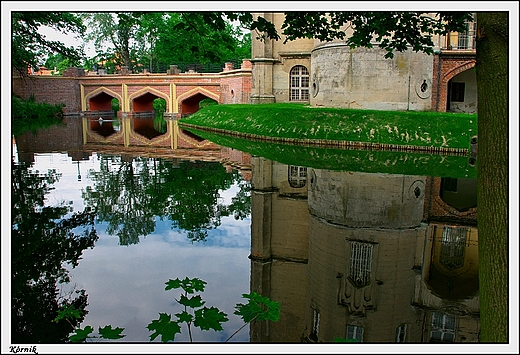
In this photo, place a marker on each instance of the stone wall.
(362, 78)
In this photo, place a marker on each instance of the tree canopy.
(29, 46)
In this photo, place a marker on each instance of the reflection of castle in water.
(372, 257)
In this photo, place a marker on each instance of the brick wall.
(50, 89)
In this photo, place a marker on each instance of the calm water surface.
(378, 258)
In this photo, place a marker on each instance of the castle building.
(385, 258)
(377, 258)
(330, 74)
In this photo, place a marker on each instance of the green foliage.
(340, 159)
(343, 340)
(108, 333)
(159, 105)
(30, 116)
(44, 239)
(115, 104)
(207, 102)
(394, 31)
(28, 44)
(258, 307)
(129, 195)
(165, 327)
(80, 335)
(204, 318)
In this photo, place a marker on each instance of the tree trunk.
(492, 82)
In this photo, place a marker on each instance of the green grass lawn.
(297, 121)
(369, 161)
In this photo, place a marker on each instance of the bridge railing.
(198, 67)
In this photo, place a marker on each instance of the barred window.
(466, 39)
(443, 328)
(355, 332)
(453, 247)
(297, 176)
(360, 263)
(299, 84)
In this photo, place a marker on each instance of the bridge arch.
(142, 100)
(100, 99)
(188, 102)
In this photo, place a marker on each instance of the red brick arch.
(151, 91)
(99, 91)
(447, 68)
(457, 70)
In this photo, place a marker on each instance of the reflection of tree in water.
(42, 242)
(130, 194)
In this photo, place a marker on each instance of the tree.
(28, 44)
(199, 38)
(413, 30)
(43, 240)
(117, 29)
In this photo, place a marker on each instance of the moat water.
(350, 255)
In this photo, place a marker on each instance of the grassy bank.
(30, 116)
(350, 159)
(424, 129)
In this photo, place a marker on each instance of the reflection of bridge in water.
(80, 137)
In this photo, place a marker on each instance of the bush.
(29, 115)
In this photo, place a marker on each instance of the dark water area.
(351, 253)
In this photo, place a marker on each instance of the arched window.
(299, 84)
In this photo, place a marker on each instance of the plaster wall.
(469, 105)
(367, 200)
(362, 78)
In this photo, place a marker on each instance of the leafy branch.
(195, 314)
(198, 315)
(82, 334)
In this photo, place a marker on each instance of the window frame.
(299, 80)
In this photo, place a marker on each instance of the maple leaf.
(210, 318)
(165, 327)
(108, 333)
(81, 334)
(68, 312)
(188, 285)
(258, 307)
(194, 302)
(184, 317)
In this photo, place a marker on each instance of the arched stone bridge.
(90, 98)
(81, 93)
(181, 91)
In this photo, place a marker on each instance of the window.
(457, 92)
(443, 328)
(299, 84)
(355, 332)
(453, 247)
(449, 184)
(400, 333)
(297, 176)
(466, 39)
(360, 263)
